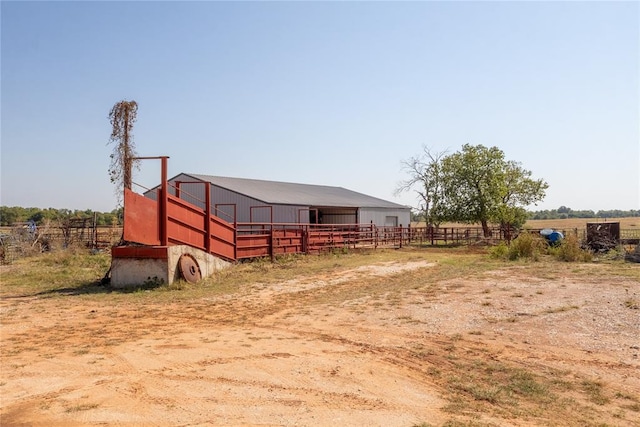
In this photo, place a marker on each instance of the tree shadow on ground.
(99, 287)
(95, 287)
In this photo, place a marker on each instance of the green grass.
(76, 271)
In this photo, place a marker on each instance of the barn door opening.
(337, 216)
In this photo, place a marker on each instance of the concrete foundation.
(148, 265)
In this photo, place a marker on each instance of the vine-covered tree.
(122, 117)
(477, 185)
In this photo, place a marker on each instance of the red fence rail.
(182, 223)
(171, 220)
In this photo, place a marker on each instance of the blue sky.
(333, 93)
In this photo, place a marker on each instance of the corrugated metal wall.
(379, 216)
(194, 193)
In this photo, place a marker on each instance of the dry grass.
(558, 224)
(580, 223)
(76, 270)
(479, 383)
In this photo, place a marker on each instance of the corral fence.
(246, 240)
(169, 220)
(272, 239)
(630, 237)
(26, 238)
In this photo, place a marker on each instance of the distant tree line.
(564, 212)
(12, 215)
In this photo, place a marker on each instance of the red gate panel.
(140, 219)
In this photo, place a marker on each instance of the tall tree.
(473, 185)
(479, 185)
(122, 117)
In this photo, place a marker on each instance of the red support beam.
(207, 219)
(164, 219)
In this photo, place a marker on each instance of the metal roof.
(288, 193)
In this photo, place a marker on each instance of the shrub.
(499, 251)
(526, 245)
(571, 251)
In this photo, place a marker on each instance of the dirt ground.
(313, 352)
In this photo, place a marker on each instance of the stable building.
(258, 201)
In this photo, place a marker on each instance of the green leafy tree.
(122, 117)
(9, 215)
(479, 185)
(474, 185)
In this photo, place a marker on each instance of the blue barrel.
(555, 237)
(545, 232)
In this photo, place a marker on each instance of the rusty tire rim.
(189, 268)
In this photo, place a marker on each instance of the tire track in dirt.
(288, 296)
(312, 354)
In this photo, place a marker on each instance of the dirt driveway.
(321, 351)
